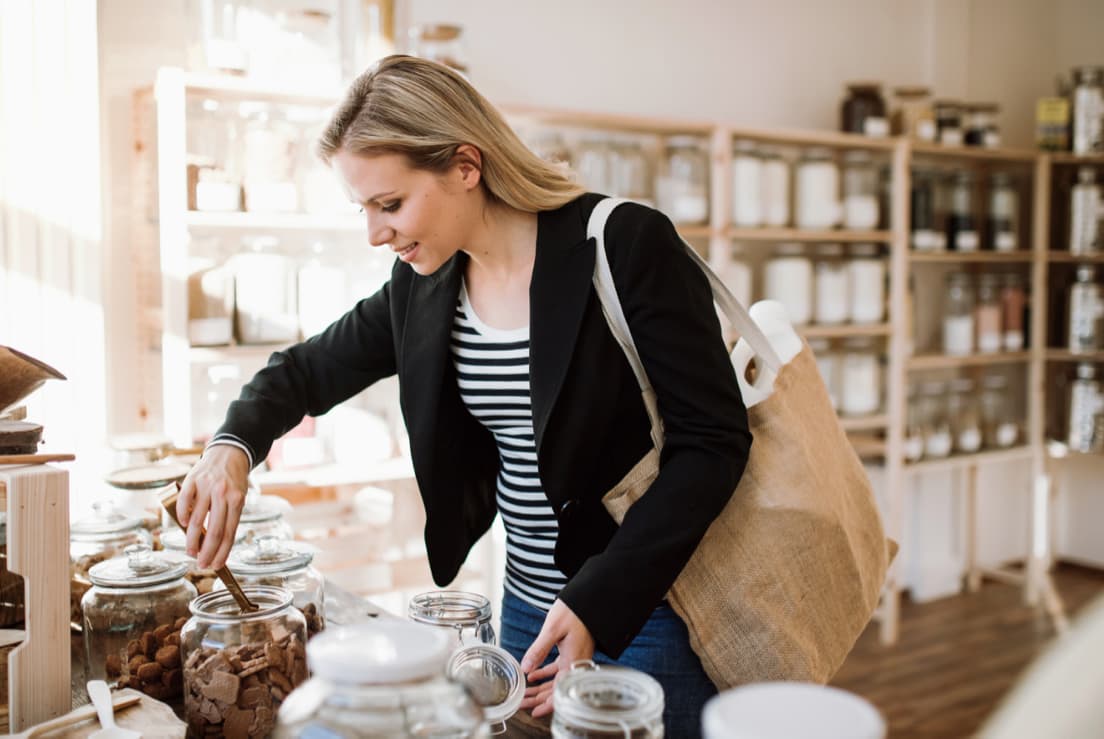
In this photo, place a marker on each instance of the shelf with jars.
(959, 461)
(797, 234)
(1065, 257)
(974, 153)
(949, 361)
(842, 331)
(1065, 355)
(947, 257)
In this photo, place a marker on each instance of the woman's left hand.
(562, 629)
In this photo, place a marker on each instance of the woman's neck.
(504, 245)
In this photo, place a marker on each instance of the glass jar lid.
(790, 709)
(262, 508)
(148, 476)
(454, 608)
(383, 652)
(493, 678)
(269, 555)
(602, 698)
(139, 567)
(104, 523)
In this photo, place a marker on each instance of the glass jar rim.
(269, 555)
(270, 601)
(138, 567)
(449, 608)
(577, 689)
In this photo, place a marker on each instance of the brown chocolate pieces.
(315, 621)
(237, 691)
(153, 663)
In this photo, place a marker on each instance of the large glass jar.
(683, 187)
(592, 701)
(747, 185)
(632, 173)
(938, 439)
(94, 539)
(958, 315)
(1003, 213)
(12, 599)
(817, 192)
(866, 277)
(1086, 211)
(861, 379)
(776, 189)
(913, 115)
(1085, 406)
(998, 413)
(925, 234)
(383, 680)
(965, 419)
(788, 278)
(948, 122)
(175, 543)
(860, 191)
(239, 667)
(863, 110)
(988, 314)
(833, 289)
(132, 619)
(593, 162)
(140, 489)
(1086, 312)
(962, 232)
(465, 616)
(1088, 110)
(283, 564)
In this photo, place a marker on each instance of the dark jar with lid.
(864, 109)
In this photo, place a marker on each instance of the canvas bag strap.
(619, 325)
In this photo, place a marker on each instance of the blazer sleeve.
(669, 307)
(311, 377)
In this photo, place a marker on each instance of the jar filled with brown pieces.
(133, 614)
(283, 564)
(99, 537)
(239, 667)
(175, 542)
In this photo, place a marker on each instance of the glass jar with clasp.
(598, 701)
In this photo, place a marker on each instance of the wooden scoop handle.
(168, 501)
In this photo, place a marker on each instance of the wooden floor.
(957, 656)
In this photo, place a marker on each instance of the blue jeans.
(661, 649)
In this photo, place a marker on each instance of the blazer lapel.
(425, 352)
(558, 296)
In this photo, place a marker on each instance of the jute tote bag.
(789, 574)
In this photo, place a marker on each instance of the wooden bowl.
(21, 375)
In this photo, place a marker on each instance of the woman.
(516, 397)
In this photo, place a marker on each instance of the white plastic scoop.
(101, 699)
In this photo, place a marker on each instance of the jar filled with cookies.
(283, 564)
(240, 666)
(175, 542)
(133, 614)
(97, 538)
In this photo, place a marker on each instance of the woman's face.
(424, 217)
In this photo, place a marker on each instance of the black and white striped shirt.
(492, 367)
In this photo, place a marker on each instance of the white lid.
(379, 653)
(791, 710)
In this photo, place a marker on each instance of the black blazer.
(589, 421)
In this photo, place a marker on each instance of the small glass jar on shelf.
(1086, 405)
(1013, 304)
(593, 162)
(224, 647)
(1088, 110)
(958, 315)
(788, 278)
(988, 315)
(860, 191)
(914, 425)
(860, 377)
(913, 115)
(866, 270)
(775, 181)
(816, 197)
(1086, 311)
(965, 418)
(632, 172)
(594, 701)
(863, 110)
(980, 124)
(926, 234)
(998, 412)
(270, 147)
(938, 437)
(276, 562)
(1086, 214)
(1004, 212)
(747, 184)
(833, 289)
(682, 190)
(948, 122)
(133, 614)
(962, 234)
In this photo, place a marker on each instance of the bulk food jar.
(682, 191)
(99, 537)
(491, 674)
(175, 542)
(381, 679)
(592, 701)
(282, 564)
(240, 667)
(132, 619)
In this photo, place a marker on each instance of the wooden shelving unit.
(1064, 257)
(945, 361)
(1065, 355)
(798, 234)
(981, 257)
(843, 331)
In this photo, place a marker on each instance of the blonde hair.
(426, 111)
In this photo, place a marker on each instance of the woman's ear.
(468, 161)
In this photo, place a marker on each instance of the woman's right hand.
(214, 490)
